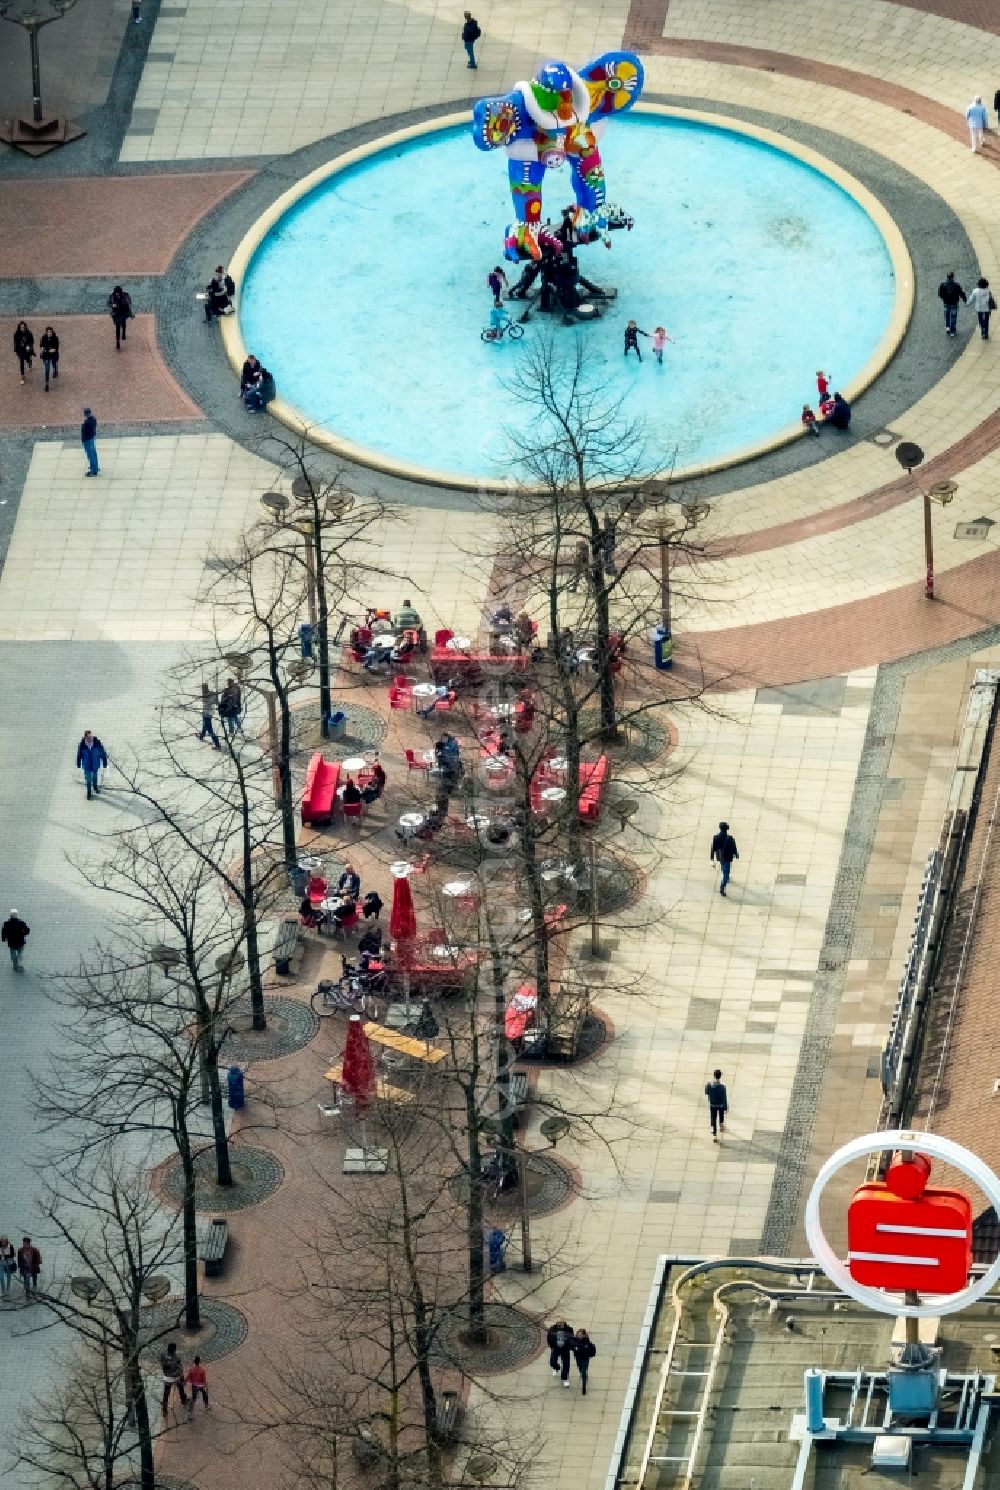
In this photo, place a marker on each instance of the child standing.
(822, 385)
(632, 334)
(659, 337)
(809, 420)
(197, 1378)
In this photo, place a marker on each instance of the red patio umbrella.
(403, 920)
(402, 929)
(358, 1078)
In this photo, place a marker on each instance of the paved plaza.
(838, 690)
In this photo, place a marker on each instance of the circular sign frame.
(937, 1148)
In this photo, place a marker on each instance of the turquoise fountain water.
(367, 299)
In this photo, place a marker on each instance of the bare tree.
(221, 815)
(115, 1239)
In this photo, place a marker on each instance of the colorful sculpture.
(559, 116)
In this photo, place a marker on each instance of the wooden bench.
(383, 1090)
(417, 1050)
(285, 947)
(319, 796)
(212, 1246)
(446, 1418)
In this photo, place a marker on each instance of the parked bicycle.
(343, 996)
(506, 327)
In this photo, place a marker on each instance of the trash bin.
(237, 1096)
(336, 725)
(306, 632)
(298, 878)
(663, 649)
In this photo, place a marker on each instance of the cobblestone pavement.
(843, 686)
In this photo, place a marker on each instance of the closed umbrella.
(358, 1078)
(402, 929)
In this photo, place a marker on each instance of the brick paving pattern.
(132, 386)
(108, 226)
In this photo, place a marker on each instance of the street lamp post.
(910, 456)
(42, 132)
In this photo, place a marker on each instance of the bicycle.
(345, 996)
(496, 333)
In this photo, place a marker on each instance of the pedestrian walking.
(978, 121)
(231, 706)
(90, 757)
(24, 346)
(584, 1351)
(470, 35)
(724, 851)
(982, 302)
(197, 1380)
(950, 292)
(15, 933)
(718, 1104)
(49, 348)
(8, 1267)
(581, 562)
(996, 106)
(559, 1339)
(29, 1265)
(209, 704)
(120, 306)
(88, 439)
(172, 1371)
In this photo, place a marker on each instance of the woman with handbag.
(24, 346)
(8, 1265)
(982, 302)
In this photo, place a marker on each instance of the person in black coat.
(24, 346)
(724, 851)
(120, 306)
(584, 1351)
(950, 292)
(219, 294)
(49, 347)
(372, 905)
(996, 106)
(559, 1339)
(840, 415)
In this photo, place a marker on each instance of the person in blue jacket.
(90, 757)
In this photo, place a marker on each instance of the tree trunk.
(609, 705)
(536, 903)
(287, 795)
(258, 1018)
(505, 1110)
(422, 1332)
(192, 1315)
(137, 1395)
(476, 1239)
(223, 1167)
(322, 638)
